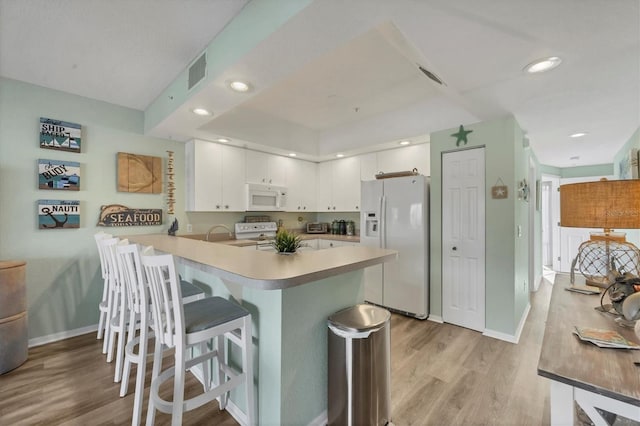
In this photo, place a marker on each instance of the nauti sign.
(119, 215)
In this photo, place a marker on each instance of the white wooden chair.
(184, 326)
(102, 306)
(135, 285)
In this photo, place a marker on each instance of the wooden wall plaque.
(139, 173)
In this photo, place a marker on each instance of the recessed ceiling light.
(200, 111)
(292, 154)
(542, 65)
(339, 155)
(578, 135)
(223, 140)
(405, 142)
(239, 86)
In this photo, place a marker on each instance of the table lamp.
(606, 204)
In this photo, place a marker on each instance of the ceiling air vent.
(197, 71)
(431, 75)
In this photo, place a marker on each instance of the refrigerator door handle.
(383, 221)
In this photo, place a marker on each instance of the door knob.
(455, 248)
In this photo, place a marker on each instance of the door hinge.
(558, 258)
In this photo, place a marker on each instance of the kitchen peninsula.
(290, 298)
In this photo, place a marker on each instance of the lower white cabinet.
(326, 244)
(308, 245)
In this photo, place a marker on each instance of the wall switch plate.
(189, 227)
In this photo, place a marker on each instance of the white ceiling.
(342, 76)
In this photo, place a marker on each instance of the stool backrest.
(113, 271)
(132, 277)
(166, 298)
(99, 237)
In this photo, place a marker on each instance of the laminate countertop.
(566, 359)
(262, 269)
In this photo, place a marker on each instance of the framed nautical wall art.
(58, 214)
(60, 135)
(59, 174)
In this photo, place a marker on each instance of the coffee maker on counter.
(343, 227)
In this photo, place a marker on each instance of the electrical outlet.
(189, 228)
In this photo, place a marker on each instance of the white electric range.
(263, 233)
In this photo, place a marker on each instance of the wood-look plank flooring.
(440, 375)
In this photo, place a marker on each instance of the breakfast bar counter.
(290, 298)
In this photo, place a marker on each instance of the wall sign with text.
(119, 215)
(56, 174)
(60, 135)
(58, 214)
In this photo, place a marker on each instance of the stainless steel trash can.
(359, 380)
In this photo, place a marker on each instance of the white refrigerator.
(395, 215)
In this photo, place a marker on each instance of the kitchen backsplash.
(201, 221)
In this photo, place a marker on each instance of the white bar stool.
(183, 326)
(118, 306)
(135, 285)
(102, 306)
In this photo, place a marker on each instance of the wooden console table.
(580, 371)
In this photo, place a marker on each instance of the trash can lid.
(359, 318)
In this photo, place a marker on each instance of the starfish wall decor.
(461, 135)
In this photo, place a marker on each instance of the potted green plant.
(286, 242)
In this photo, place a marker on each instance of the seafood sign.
(60, 135)
(119, 215)
(58, 214)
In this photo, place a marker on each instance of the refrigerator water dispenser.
(371, 226)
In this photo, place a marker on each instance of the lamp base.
(608, 235)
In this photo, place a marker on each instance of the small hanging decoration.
(499, 190)
(461, 135)
(171, 185)
(523, 190)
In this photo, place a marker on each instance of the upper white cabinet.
(301, 184)
(266, 168)
(214, 177)
(406, 158)
(368, 166)
(338, 185)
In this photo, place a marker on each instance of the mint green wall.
(579, 171)
(63, 279)
(633, 235)
(253, 24)
(506, 255)
(633, 142)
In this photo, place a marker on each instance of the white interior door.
(463, 238)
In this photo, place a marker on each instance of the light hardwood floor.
(441, 375)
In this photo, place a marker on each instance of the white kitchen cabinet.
(308, 245)
(327, 244)
(405, 158)
(214, 177)
(368, 166)
(338, 185)
(266, 168)
(301, 184)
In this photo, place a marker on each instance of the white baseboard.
(321, 420)
(511, 338)
(38, 341)
(435, 318)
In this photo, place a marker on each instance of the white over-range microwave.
(262, 197)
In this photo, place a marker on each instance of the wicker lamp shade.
(605, 204)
